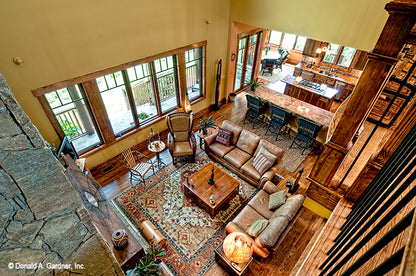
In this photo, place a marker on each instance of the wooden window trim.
(335, 64)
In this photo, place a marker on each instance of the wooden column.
(375, 75)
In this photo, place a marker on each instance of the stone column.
(376, 72)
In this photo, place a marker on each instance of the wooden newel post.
(373, 79)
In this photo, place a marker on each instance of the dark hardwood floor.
(304, 230)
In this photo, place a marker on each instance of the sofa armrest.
(270, 188)
(267, 176)
(210, 139)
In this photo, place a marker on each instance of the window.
(275, 37)
(125, 98)
(346, 56)
(288, 41)
(331, 53)
(143, 92)
(194, 59)
(300, 43)
(73, 115)
(116, 101)
(339, 55)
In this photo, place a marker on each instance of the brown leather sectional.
(239, 156)
(279, 219)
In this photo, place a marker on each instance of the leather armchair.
(181, 139)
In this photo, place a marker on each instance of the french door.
(248, 46)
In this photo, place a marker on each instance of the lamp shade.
(237, 247)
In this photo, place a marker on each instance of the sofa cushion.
(224, 137)
(219, 149)
(246, 217)
(257, 227)
(261, 163)
(183, 149)
(270, 156)
(260, 202)
(273, 149)
(234, 128)
(248, 141)
(277, 199)
(290, 208)
(271, 234)
(249, 170)
(237, 157)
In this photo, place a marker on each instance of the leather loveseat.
(278, 220)
(239, 155)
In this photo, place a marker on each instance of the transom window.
(287, 41)
(123, 100)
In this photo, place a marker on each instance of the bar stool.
(307, 131)
(256, 109)
(278, 120)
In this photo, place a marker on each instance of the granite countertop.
(294, 105)
(340, 77)
(327, 93)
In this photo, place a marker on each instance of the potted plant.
(231, 97)
(254, 84)
(204, 125)
(149, 264)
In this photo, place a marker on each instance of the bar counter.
(298, 108)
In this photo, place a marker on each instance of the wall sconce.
(319, 50)
(207, 21)
(18, 61)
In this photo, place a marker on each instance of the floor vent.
(107, 169)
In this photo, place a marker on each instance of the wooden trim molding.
(92, 76)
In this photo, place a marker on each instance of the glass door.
(246, 59)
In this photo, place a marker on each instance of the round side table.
(157, 147)
(201, 137)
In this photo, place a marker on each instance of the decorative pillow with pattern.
(261, 164)
(224, 137)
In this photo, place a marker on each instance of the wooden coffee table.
(224, 189)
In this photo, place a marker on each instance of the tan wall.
(354, 23)
(59, 40)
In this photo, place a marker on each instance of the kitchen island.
(309, 92)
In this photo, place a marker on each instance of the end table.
(157, 147)
(229, 266)
(202, 137)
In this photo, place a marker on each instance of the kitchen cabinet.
(361, 59)
(310, 48)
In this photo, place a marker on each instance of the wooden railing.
(143, 91)
(71, 123)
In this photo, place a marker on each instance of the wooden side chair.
(138, 164)
(307, 131)
(278, 120)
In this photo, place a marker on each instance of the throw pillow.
(257, 227)
(224, 137)
(277, 199)
(270, 156)
(261, 164)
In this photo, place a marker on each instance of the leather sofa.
(239, 156)
(279, 219)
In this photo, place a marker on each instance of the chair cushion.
(182, 149)
(260, 202)
(248, 141)
(246, 217)
(257, 227)
(235, 129)
(181, 136)
(249, 170)
(277, 199)
(261, 163)
(224, 137)
(237, 157)
(290, 208)
(219, 149)
(142, 168)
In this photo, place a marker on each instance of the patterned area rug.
(192, 235)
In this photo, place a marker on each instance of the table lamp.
(237, 247)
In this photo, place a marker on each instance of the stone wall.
(42, 218)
